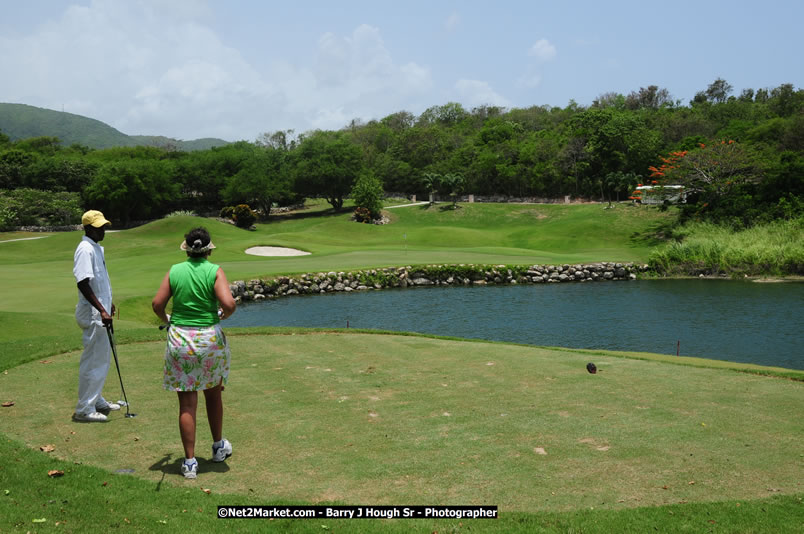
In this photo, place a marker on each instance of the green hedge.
(32, 207)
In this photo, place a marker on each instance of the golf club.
(117, 364)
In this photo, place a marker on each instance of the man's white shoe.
(108, 408)
(94, 417)
(189, 468)
(222, 451)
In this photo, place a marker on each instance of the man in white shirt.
(93, 313)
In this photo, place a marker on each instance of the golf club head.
(129, 415)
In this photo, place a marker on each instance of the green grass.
(362, 419)
(90, 499)
(386, 419)
(771, 249)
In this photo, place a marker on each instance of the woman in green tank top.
(197, 355)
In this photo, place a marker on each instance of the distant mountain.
(186, 146)
(20, 121)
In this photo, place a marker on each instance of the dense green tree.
(45, 145)
(14, 165)
(205, 174)
(650, 97)
(263, 179)
(718, 91)
(131, 190)
(449, 114)
(326, 165)
(60, 173)
(613, 141)
(785, 100)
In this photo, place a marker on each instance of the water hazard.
(760, 323)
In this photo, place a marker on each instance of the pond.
(761, 323)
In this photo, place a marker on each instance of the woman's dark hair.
(197, 239)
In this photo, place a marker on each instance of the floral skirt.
(196, 358)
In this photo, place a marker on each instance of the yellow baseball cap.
(94, 218)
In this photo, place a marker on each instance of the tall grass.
(775, 248)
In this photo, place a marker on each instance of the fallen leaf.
(126, 520)
(136, 438)
(162, 521)
(104, 484)
(206, 490)
(6, 491)
(665, 487)
(540, 450)
(72, 432)
(691, 482)
(8, 404)
(43, 520)
(55, 473)
(47, 448)
(45, 361)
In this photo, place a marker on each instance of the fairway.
(386, 419)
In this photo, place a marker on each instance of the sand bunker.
(275, 251)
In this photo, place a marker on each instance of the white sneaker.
(189, 468)
(107, 408)
(94, 417)
(222, 451)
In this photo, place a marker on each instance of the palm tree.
(431, 181)
(454, 182)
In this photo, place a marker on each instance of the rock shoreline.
(430, 275)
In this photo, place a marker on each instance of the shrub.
(243, 216)
(181, 213)
(367, 194)
(363, 215)
(32, 207)
(227, 212)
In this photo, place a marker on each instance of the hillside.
(21, 121)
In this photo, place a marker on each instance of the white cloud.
(542, 50)
(356, 77)
(473, 93)
(145, 68)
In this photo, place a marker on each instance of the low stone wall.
(431, 275)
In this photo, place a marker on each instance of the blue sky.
(238, 68)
